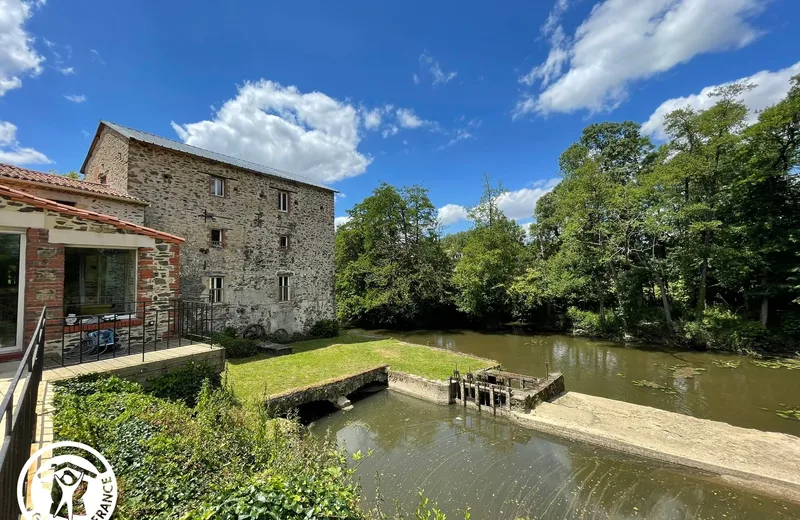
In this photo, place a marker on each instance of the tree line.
(694, 240)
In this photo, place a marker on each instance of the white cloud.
(415, 77)
(623, 41)
(11, 152)
(451, 213)
(372, 118)
(407, 118)
(771, 87)
(431, 67)
(521, 204)
(390, 130)
(518, 205)
(17, 55)
(75, 98)
(66, 70)
(340, 221)
(96, 56)
(461, 134)
(310, 134)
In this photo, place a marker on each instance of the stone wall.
(110, 158)
(128, 211)
(439, 392)
(177, 187)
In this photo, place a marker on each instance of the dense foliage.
(695, 240)
(215, 460)
(235, 347)
(324, 329)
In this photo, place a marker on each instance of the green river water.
(461, 458)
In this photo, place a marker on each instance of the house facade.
(77, 262)
(258, 240)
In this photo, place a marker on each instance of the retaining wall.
(439, 392)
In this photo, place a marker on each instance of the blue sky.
(355, 93)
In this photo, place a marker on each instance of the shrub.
(230, 332)
(591, 322)
(235, 347)
(89, 384)
(184, 383)
(325, 329)
(723, 329)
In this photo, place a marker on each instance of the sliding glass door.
(10, 289)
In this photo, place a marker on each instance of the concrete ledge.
(765, 461)
(439, 392)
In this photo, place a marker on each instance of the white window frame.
(280, 242)
(217, 182)
(216, 243)
(283, 201)
(284, 288)
(216, 292)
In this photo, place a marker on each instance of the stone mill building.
(259, 241)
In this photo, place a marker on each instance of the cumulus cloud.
(415, 77)
(18, 58)
(309, 134)
(770, 88)
(372, 118)
(430, 67)
(623, 41)
(75, 98)
(451, 213)
(408, 119)
(11, 152)
(340, 221)
(518, 205)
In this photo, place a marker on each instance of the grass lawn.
(319, 360)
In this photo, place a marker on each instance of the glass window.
(216, 237)
(283, 242)
(98, 281)
(283, 201)
(284, 289)
(217, 187)
(9, 288)
(215, 288)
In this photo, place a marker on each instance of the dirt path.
(766, 461)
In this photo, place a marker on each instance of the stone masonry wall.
(110, 158)
(128, 211)
(177, 187)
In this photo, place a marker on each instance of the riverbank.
(766, 461)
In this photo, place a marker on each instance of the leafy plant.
(325, 329)
(235, 347)
(185, 382)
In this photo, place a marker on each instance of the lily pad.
(789, 413)
(726, 364)
(787, 363)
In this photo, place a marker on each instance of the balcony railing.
(139, 327)
(18, 412)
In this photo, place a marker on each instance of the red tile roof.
(61, 182)
(21, 196)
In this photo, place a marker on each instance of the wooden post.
(478, 394)
(463, 388)
(546, 369)
(508, 398)
(491, 400)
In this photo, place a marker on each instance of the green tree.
(391, 267)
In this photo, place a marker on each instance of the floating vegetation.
(787, 363)
(683, 371)
(726, 364)
(644, 383)
(789, 413)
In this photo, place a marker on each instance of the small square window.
(284, 289)
(103, 179)
(217, 186)
(215, 289)
(283, 201)
(217, 237)
(283, 242)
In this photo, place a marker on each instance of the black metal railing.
(140, 327)
(19, 420)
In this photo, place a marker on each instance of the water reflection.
(745, 396)
(461, 458)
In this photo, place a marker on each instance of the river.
(746, 396)
(461, 459)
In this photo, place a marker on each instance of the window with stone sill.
(103, 179)
(216, 288)
(283, 201)
(284, 288)
(217, 238)
(283, 242)
(217, 186)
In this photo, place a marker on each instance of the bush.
(591, 323)
(325, 329)
(214, 461)
(184, 383)
(90, 384)
(230, 332)
(235, 347)
(723, 329)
